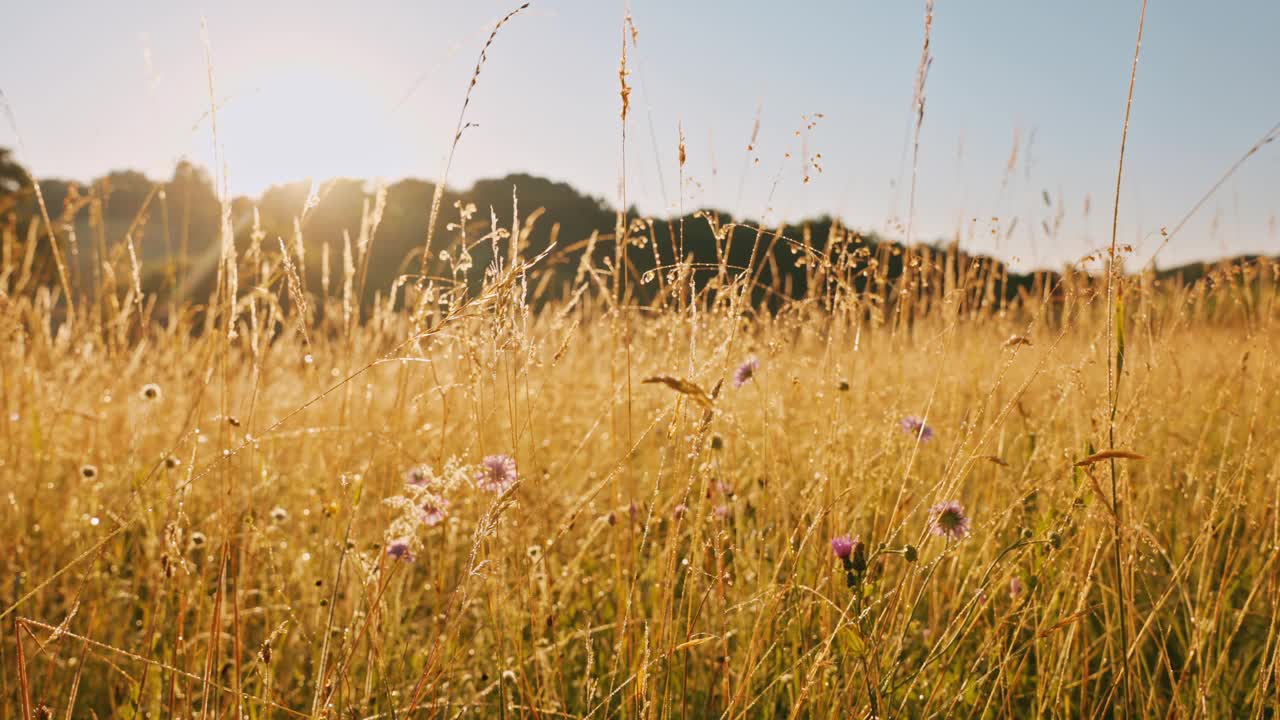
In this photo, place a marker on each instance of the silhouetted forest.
(174, 226)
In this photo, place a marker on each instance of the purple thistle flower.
(497, 473)
(745, 372)
(915, 427)
(435, 511)
(678, 511)
(853, 553)
(842, 546)
(947, 519)
(853, 556)
(1015, 587)
(721, 512)
(399, 549)
(418, 475)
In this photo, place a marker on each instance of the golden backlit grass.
(195, 523)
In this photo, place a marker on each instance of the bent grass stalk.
(1115, 368)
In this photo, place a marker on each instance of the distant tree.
(12, 175)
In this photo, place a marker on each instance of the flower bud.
(858, 556)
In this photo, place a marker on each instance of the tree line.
(174, 227)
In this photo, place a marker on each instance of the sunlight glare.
(307, 122)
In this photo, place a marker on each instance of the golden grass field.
(638, 496)
(197, 524)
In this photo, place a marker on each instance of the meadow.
(912, 490)
(295, 513)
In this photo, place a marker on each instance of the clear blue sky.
(373, 89)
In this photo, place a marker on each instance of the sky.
(1017, 153)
